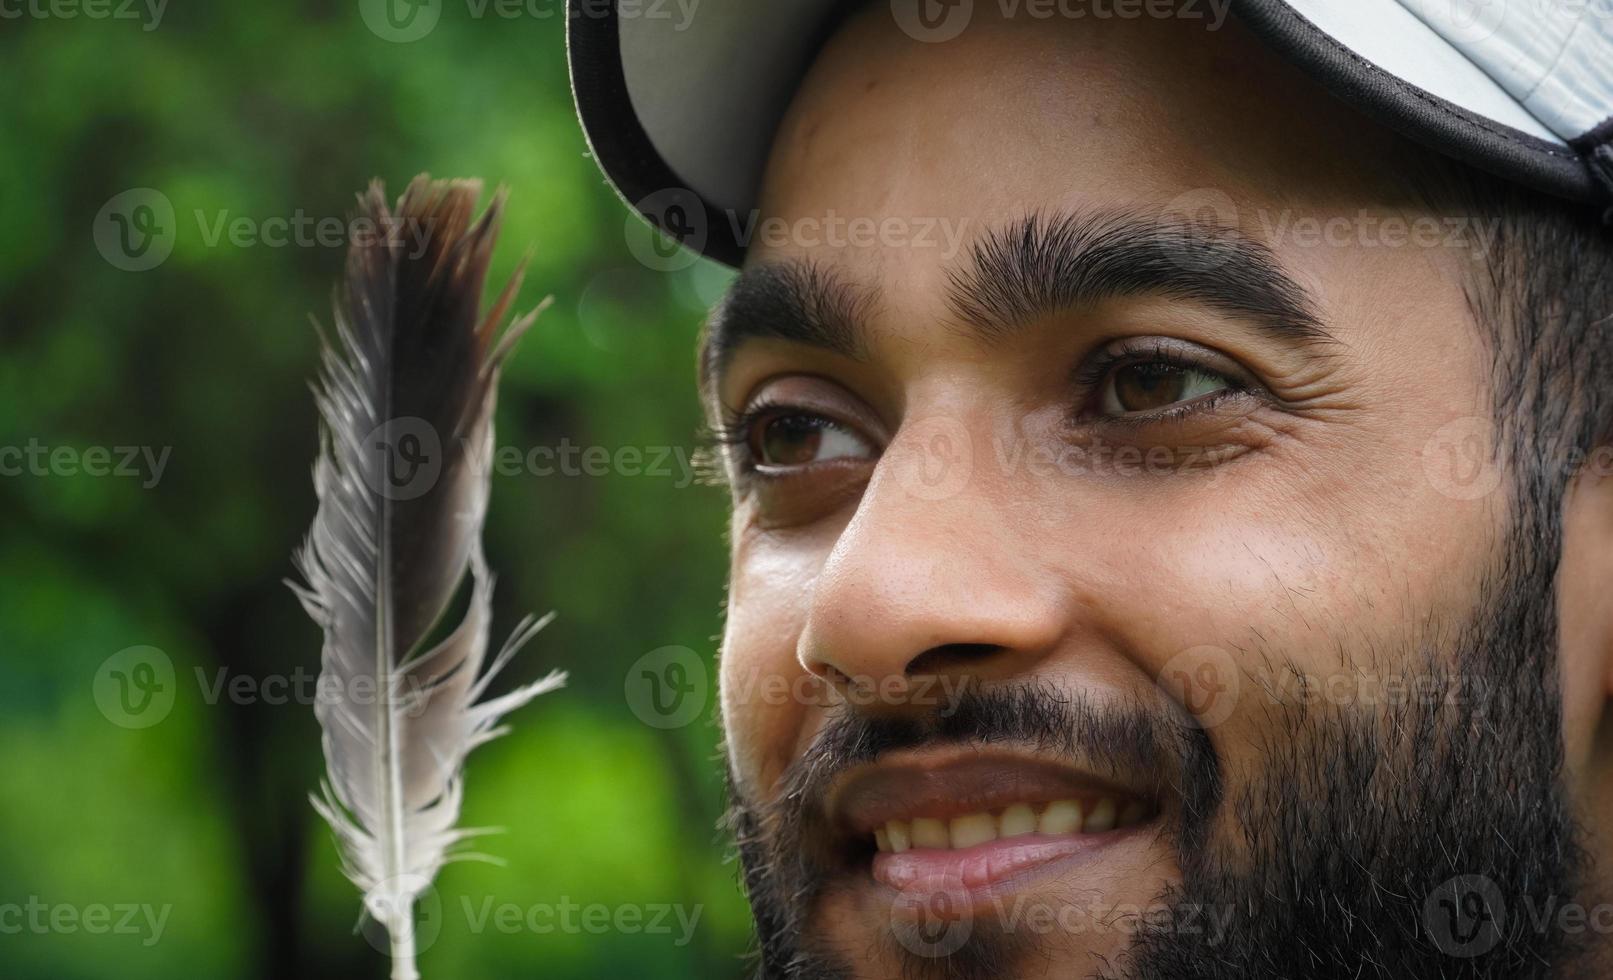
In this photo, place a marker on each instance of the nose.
(930, 585)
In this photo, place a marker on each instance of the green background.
(275, 110)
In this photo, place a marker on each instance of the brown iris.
(1148, 387)
(788, 440)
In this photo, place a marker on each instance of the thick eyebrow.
(798, 301)
(1041, 266)
(1037, 266)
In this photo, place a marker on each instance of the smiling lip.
(969, 824)
(932, 883)
(955, 784)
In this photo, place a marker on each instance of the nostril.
(951, 655)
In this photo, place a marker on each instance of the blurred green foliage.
(275, 110)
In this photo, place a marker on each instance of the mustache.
(1107, 736)
(1119, 738)
(787, 847)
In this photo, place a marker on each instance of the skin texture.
(1327, 537)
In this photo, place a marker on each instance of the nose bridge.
(929, 574)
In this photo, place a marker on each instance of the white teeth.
(1057, 819)
(1102, 817)
(977, 828)
(1063, 817)
(901, 839)
(1017, 821)
(930, 834)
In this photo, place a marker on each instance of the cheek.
(1586, 619)
(1249, 600)
(767, 696)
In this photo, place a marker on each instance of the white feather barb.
(406, 396)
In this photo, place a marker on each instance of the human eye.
(780, 438)
(794, 425)
(1139, 381)
(799, 449)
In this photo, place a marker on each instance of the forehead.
(1021, 115)
(898, 158)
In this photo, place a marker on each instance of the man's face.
(1117, 530)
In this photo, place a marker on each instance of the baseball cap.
(680, 99)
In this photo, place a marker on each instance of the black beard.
(1429, 839)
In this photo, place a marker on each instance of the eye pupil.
(1149, 386)
(790, 440)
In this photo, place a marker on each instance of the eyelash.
(1091, 374)
(736, 432)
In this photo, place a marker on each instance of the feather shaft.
(405, 395)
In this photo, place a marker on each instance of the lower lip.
(928, 879)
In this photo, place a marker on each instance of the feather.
(406, 396)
